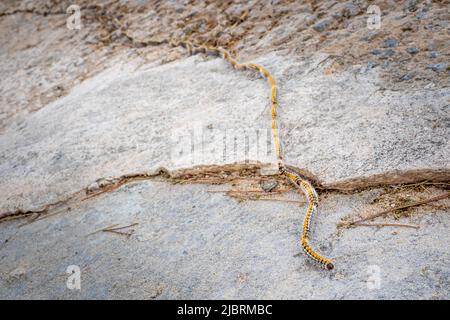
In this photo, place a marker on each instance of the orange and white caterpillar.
(299, 182)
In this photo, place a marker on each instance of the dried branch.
(414, 204)
(114, 229)
(413, 226)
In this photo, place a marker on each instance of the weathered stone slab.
(341, 127)
(349, 130)
(193, 244)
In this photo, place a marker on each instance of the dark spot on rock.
(408, 26)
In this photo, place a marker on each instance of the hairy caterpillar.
(300, 183)
(313, 202)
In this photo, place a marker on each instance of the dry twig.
(414, 204)
(413, 226)
(114, 229)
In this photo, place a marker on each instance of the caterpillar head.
(329, 266)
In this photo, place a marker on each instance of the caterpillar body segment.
(325, 263)
(302, 184)
(313, 201)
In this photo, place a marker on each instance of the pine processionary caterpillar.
(313, 202)
(302, 184)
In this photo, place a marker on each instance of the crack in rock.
(222, 175)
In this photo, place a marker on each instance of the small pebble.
(268, 186)
(376, 52)
(351, 10)
(370, 36)
(18, 272)
(412, 50)
(390, 43)
(420, 15)
(387, 53)
(321, 26)
(370, 65)
(411, 5)
(337, 15)
(406, 77)
(434, 54)
(438, 67)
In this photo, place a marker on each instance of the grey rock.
(412, 50)
(390, 43)
(433, 54)
(337, 15)
(370, 36)
(370, 65)
(322, 25)
(268, 186)
(438, 67)
(387, 53)
(309, 19)
(376, 52)
(407, 77)
(421, 15)
(351, 10)
(411, 5)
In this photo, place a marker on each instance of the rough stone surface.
(85, 111)
(190, 244)
(338, 126)
(41, 60)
